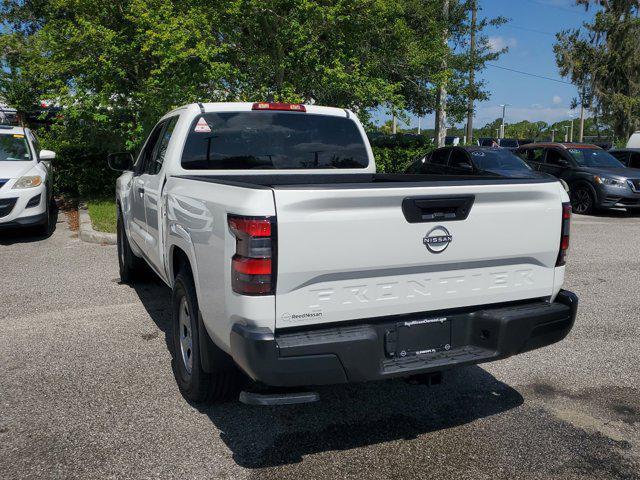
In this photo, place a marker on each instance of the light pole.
(497, 133)
(572, 115)
(504, 108)
(566, 132)
(419, 125)
(553, 134)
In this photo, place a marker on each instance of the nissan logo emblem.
(437, 239)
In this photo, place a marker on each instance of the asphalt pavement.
(86, 389)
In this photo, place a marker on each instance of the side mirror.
(47, 155)
(120, 162)
(466, 166)
(563, 163)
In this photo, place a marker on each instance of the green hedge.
(394, 153)
(82, 173)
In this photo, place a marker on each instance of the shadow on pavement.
(347, 416)
(357, 415)
(156, 299)
(27, 234)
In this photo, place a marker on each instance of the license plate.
(422, 336)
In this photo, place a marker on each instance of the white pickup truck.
(294, 263)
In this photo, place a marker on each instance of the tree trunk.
(472, 71)
(441, 96)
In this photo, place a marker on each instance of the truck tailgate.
(349, 252)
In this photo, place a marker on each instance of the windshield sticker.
(477, 154)
(574, 151)
(17, 135)
(202, 126)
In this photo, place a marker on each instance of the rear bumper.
(330, 355)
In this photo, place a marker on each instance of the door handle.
(436, 209)
(140, 191)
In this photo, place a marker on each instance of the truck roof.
(213, 107)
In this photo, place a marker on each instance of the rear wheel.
(130, 265)
(197, 385)
(582, 200)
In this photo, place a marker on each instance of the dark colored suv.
(596, 179)
(473, 160)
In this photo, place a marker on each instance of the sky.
(529, 34)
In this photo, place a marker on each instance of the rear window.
(273, 140)
(14, 148)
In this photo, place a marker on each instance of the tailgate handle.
(436, 209)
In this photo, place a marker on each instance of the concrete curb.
(88, 234)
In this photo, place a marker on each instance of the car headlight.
(28, 181)
(613, 182)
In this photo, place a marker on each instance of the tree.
(475, 58)
(115, 67)
(603, 60)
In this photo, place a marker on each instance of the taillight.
(564, 234)
(252, 265)
(287, 107)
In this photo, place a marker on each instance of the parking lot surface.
(86, 389)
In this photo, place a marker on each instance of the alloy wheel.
(581, 201)
(186, 339)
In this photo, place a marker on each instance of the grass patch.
(103, 215)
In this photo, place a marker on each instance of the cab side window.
(634, 160)
(146, 154)
(153, 166)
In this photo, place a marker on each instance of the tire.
(130, 265)
(45, 228)
(195, 384)
(582, 200)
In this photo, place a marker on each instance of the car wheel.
(582, 201)
(194, 382)
(45, 228)
(130, 265)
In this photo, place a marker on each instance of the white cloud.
(498, 43)
(557, 100)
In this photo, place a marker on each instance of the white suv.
(25, 180)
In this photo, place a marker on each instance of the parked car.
(473, 161)
(629, 157)
(26, 186)
(634, 140)
(293, 262)
(596, 179)
(450, 140)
